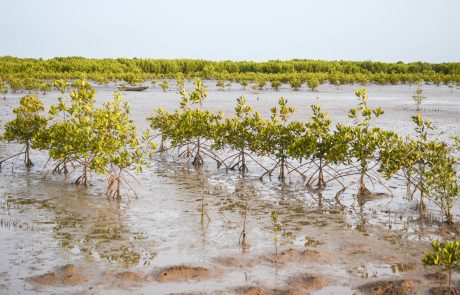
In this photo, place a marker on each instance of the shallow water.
(187, 216)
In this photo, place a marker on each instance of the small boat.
(132, 88)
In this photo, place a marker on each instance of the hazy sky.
(384, 30)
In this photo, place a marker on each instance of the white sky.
(379, 30)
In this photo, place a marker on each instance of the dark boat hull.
(132, 88)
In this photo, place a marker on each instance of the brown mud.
(56, 238)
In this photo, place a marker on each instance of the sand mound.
(389, 288)
(183, 273)
(251, 291)
(66, 275)
(129, 276)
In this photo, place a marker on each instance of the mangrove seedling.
(276, 227)
(418, 97)
(445, 256)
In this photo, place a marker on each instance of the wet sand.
(60, 239)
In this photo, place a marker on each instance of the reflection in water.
(98, 232)
(87, 226)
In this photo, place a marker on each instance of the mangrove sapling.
(451, 86)
(118, 149)
(237, 133)
(3, 89)
(313, 83)
(74, 139)
(163, 122)
(318, 147)
(418, 97)
(336, 83)
(443, 185)
(180, 82)
(16, 85)
(244, 83)
(164, 85)
(276, 84)
(46, 87)
(261, 84)
(228, 85)
(398, 157)
(194, 125)
(221, 85)
(62, 86)
(445, 256)
(189, 128)
(295, 83)
(194, 129)
(26, 125)
(419, 170)
(364, 141)
(31, 84)
(275, 138)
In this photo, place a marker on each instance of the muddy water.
(182, 232)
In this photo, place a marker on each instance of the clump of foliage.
(46, 86)
(261, 83)
(118, 149)
(189, 128)
(221, 85)
(180, 82)
(244, 83)
(238, 134)
(276, 84)
(295, 83)
(427, 165)
(318, 147)
(313, 83)
(27, 124)
(363, 140)
(101, 140)
(71, 138)
(164, 85)
(274, 137)
(442, 184)
(4, 89)
(445, 256)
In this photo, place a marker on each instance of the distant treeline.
(133, 69)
